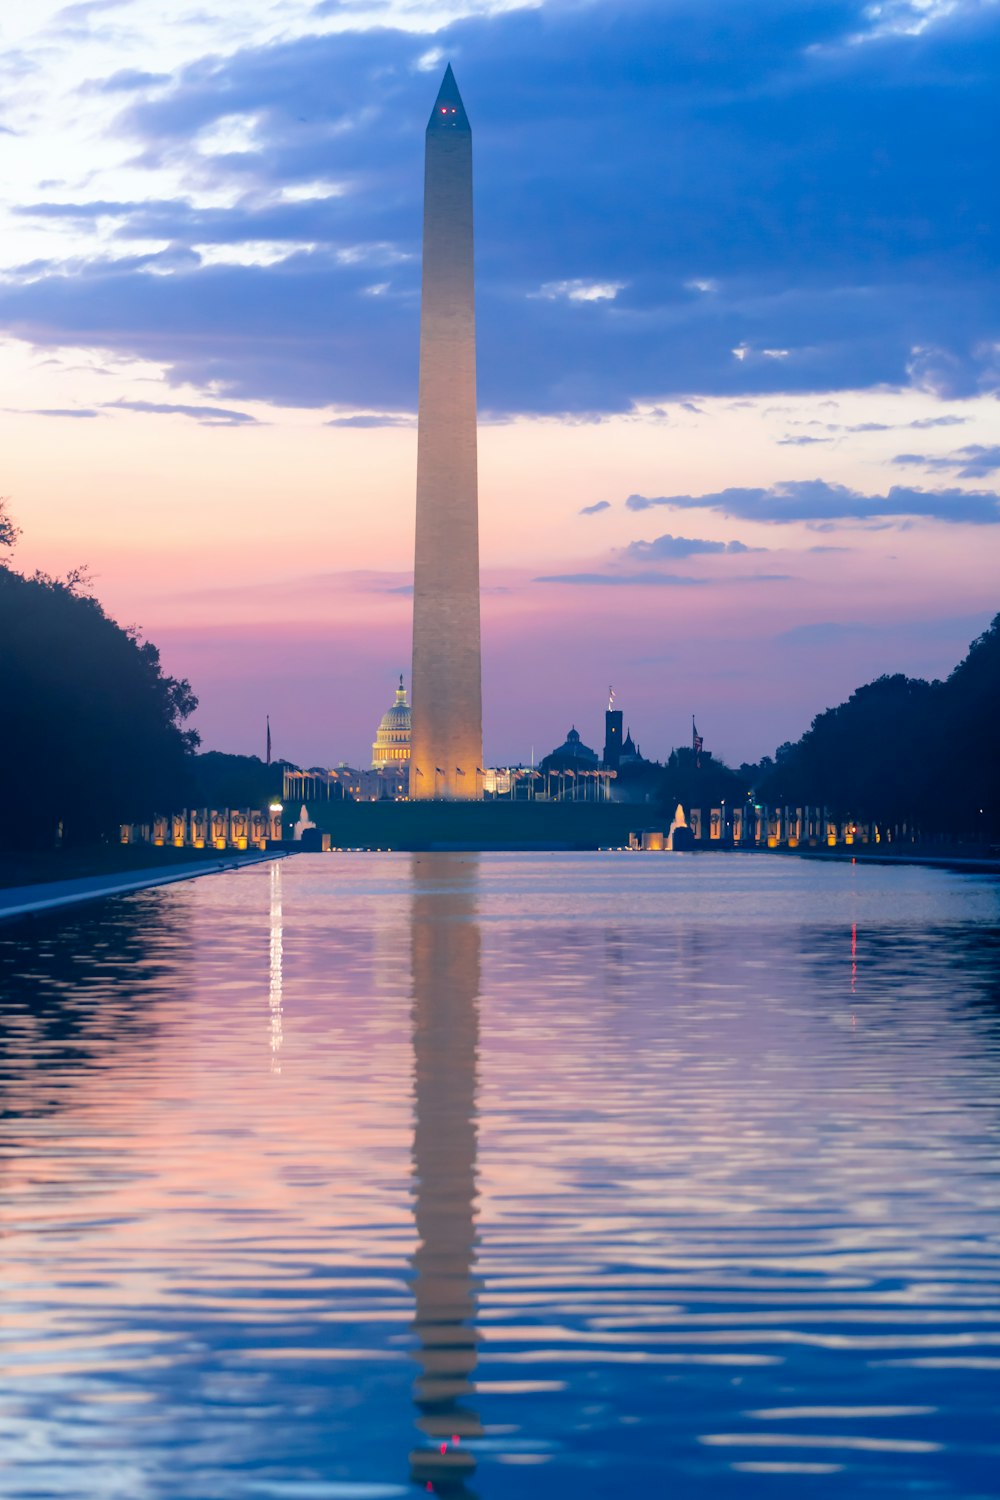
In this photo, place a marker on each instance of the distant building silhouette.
(573, 755)
(630, 753)
(612, 738)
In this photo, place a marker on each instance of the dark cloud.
(815, 500)
(683, 546)
(974, 461)
(804, 214)
(208, 416)
(592, 510)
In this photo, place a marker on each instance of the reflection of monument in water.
(445, 969)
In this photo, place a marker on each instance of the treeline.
(902, 750)
(220, 780)
(93, 729)
(94, 735)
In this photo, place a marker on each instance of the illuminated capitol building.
(571, 773)
(392, 738)
(388, 776)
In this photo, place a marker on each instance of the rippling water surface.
(354, 1176)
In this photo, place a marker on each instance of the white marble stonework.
(446, 747)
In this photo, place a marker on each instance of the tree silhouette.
(902, 750)
(93, 726)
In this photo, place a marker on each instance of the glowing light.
(276, 974)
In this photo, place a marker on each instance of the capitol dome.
(392, 740)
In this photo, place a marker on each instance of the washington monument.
(446, 744)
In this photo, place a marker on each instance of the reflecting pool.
(362, 1176)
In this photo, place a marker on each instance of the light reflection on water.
(578, 1175)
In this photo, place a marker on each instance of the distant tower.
(612, 738)
(446, 747)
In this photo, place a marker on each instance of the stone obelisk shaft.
(446, 743)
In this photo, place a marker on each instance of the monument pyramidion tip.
(449, 111)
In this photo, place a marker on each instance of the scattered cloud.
(78, 17)
(920, 424)
(373, 419)
(974, 461)
(651, 579)
(816, 500)
(207, 416)
(749, 143)
(126, 80)
(593, 510)
(580, 291)
(52, 411)
(684, 546)
(803, 441)
(625, 580)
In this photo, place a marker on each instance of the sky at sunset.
(739, 348)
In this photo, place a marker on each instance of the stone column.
(446, 753)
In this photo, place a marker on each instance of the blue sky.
(683, 199)
(688, 216)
